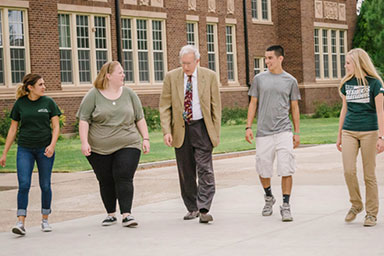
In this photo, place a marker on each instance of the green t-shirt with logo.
(361, 109)
(34, 119)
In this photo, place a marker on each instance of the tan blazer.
(172, 104)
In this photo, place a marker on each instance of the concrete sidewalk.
(319, 204)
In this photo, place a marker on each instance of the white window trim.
(234, 52)
(262, 67)
(137, 84)
(321, 53)
(195, 32)
(75, 58)
(7, 49)
(260, 19)
(216, 45)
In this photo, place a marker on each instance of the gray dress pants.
(195, 157)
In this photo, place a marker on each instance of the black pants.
(195, 157)
(115, 175)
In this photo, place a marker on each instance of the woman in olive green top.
(361, 126)
(111, 122)
(33, 114)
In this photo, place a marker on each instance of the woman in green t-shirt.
(361, 125)
(37, 118)
(111, 127)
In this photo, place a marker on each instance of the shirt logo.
(43, 110)
(357, 93)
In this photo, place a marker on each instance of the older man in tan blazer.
(190, 113)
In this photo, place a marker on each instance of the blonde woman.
(37, 118)
(361, 125)
(111, 122)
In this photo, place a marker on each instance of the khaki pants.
(351, 141)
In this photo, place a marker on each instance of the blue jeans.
(26, 158)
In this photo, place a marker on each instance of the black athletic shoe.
(110, 220)
(129, 221)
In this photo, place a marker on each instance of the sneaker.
(110, 220)
(205, 218)
(369, 221)
(45, 227)
(129, 221)
(352, 213)
(269, 202)
(285, 211)
(19, 229)
(191, 215)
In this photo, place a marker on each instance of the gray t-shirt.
(112, 123)
(274, 93)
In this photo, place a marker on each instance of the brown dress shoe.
(205, 218)
(352, 213)
(191, 215)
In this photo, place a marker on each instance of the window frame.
(216, 48)
(233, 53)
(195, 33)
(257, 13)
(135, 57)
(92, 46)
(324, 35)
(261, 63)
(6, 47)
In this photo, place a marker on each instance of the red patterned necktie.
(187, 115)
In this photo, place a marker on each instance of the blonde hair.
(101, 81)
(363, 66)
(29, 79)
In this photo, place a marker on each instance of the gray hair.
(189, 49)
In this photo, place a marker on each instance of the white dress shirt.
(196, 110)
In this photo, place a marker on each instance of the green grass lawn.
(69, 157)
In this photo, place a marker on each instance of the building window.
(192, 35)
(330, 50)
(13, 46)
(101, 42)
(231, 53)
(317, 53)
(260, 66)
(65, 49)
(1, 51)
(127, 49)
(158, 55)
(342, 45)
(83, 44)
(148, 50)
(212, 47)
(261, 10)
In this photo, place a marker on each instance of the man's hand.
(249, 135)
(296, 140)
(168, 139)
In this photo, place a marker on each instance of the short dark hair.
(278, 49)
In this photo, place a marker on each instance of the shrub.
(324, 110)
(234, 116)
(5, 123)
(152, 116)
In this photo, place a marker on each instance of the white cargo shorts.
(280, 145)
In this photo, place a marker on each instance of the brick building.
(67, 41)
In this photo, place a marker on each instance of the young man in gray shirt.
(273, 93)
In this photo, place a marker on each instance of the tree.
(369, 33)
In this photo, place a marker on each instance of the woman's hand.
(379, 146)
(3, 159)
(338, 143)
(146, 146)
(86, 149)
(49, 151)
